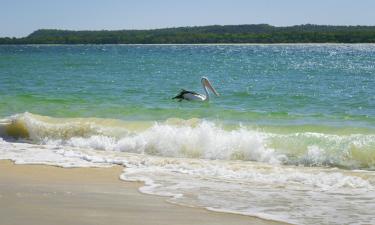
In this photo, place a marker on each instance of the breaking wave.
(195, 138)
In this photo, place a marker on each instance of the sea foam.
(278, 192)
(196, 139)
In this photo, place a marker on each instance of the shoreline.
(42, 194)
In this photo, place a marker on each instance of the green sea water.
(272, 84)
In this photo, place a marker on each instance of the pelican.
(193, 96)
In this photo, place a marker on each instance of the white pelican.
(193, 96)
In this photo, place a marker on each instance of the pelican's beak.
(208, 84)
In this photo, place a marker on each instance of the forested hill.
(260, 33)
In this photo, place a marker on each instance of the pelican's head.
(206, 83)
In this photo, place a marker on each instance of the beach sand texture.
(45, 195)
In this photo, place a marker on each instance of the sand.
(46, 195)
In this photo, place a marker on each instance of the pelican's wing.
(182, 93)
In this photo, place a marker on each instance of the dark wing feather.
(182, 92)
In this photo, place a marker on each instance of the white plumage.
(194, 96)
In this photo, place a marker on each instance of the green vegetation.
(259, 33)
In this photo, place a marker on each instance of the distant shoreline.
(215, 34)
(203, 44)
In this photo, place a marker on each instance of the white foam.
(284, 193)
(201, 139)
(291, 194)
(199, 163)
(206, 140)
(23, 153)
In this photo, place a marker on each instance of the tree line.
(256, 33)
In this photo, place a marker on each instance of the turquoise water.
(291, 137)
(261, 84)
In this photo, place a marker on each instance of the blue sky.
(20, 17)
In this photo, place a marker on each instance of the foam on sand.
(200, 163)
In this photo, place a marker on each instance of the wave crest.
(196, 139)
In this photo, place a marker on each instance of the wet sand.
(45, 195)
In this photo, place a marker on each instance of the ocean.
(290, 138)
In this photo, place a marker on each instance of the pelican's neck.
(206, 91)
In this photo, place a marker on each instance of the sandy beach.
(39, 194)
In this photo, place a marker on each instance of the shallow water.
(291, 138)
